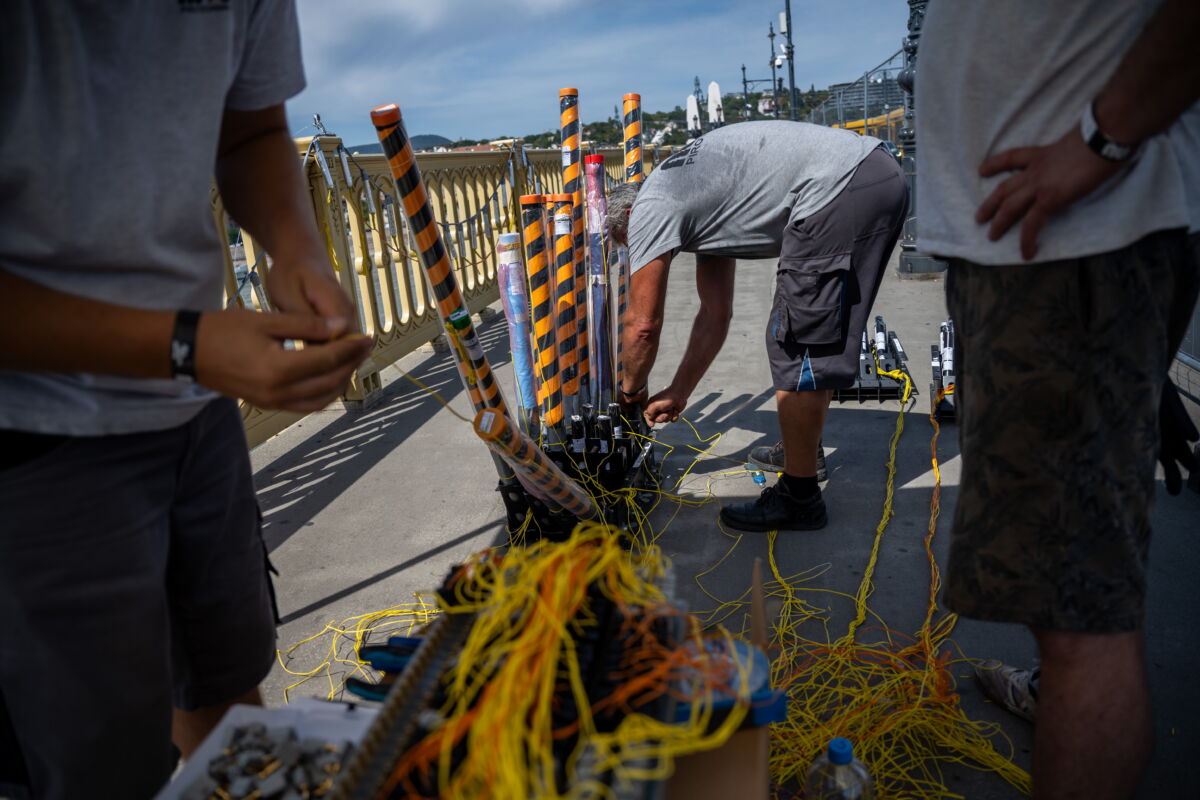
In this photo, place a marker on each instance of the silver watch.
(1099, 143)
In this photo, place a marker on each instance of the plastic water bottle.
(757, 474)
(838, 775)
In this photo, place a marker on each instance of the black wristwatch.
(183, 346)
(1098, 141)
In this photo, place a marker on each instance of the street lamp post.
(774, 85)
(787, 5)
(912, 263)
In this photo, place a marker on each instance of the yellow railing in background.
(474, 196)
(884, 126)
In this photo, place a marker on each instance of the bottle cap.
(841, 751)
(460, 319)
(596, 159)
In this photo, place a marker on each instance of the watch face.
(1115, 151)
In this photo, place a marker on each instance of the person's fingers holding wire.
(666, 406)
(242, 354)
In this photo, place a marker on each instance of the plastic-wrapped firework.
(946, 342)
(599, 331)
(474, 369)
(528, 461)
(541, 296)
(880, 337)
(511, 275)
(632, 112)
(564, 301)
(568, 104)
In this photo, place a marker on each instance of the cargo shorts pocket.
(810, 299)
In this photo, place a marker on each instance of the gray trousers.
(133, 579)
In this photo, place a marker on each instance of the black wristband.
(183, 345)
(634, 394)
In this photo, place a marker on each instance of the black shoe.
(776, 510)
(771, 459)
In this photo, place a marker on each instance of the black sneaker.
(776, 510)
(771, 459)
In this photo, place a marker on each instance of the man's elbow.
(644, 328)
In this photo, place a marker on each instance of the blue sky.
(484, 69)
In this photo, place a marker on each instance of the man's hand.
(632, 404)
(309, 288)
(666, 406)
(240, 353)
(1048, 180)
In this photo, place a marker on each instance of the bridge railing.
(475, 197)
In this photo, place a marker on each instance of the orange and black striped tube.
(568, 105)
(564, 298)
(529, 462)
(541, 297)
(473, 365)
(632, 112)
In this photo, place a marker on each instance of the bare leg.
(801, 420)
(188, 728)
(1094, 730)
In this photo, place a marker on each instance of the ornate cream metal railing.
(475, 197)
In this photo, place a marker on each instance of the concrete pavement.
(362, 510)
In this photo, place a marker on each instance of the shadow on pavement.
(295, 487)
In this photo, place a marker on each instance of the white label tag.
(562, 224)
(566, 150)
(486, 420)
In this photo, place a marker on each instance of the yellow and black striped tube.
(632, 112)
(472, 364)
(564, 298)
(528, 461)
(541, 297)
(568, 106)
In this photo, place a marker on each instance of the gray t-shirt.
(732, 191)
(111, 119)
(994, 76)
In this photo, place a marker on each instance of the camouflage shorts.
(1060, 368)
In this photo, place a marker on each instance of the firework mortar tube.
(511, 275)
(564, 301)
(632, 112)
(619, 322)
(599, 331)
(568, 104)
(531, 464)
(472, 364)
(541, 296)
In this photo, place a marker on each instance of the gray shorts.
(133, 579)
(829, 272)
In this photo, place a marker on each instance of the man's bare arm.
(43, 329)
(1156, 81)
(643, 322)
(264, 190)
(714, 285)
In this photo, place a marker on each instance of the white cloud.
(469, 68)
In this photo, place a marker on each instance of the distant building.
(883, 94)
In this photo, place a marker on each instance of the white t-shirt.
(110, 114)
(993, 76)
(1185, 142)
